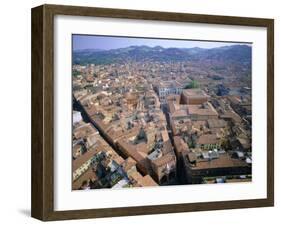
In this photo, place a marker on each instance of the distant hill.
(235, 54)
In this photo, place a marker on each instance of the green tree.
(192, 85)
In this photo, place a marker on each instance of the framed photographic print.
(141, 112)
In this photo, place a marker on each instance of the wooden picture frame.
(42, 203)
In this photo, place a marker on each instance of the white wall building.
(77, 117)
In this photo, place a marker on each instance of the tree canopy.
(192, 85)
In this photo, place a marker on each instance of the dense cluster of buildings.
(136, 125)
(95, 164)
(207, 140)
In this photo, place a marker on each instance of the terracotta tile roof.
(223, 161)
(88, 175)
(147, 181)
(164, 160)
(204, 109)
(180, 113)
(82, 159)
(136, 176)
(167, 147)
(195, 93)
(231, 115)
(173, 98)
(208, 139)
(128, 164)
(180, 145)
(84, 131)
(91, 110)
(191, 156)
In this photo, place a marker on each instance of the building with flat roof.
(194, 96)
(202, 112)
(203, 164)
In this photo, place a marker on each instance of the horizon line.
(236, 44)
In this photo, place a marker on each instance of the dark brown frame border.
(42, 198)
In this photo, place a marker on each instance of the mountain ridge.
(237, 54)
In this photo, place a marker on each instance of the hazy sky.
(110, 42)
